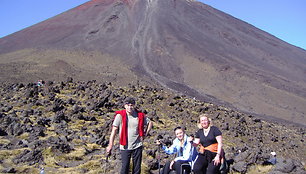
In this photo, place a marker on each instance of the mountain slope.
(183, 45)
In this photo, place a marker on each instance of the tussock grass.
(93, 146)
(144, 169)
(77, 142)
(65, 93)
(48, 114)
(260, 169)
(4, 141)
(69, 171)
(33, 119)
(98, 171)
(49, 133)
(64, 96)
(40, 108)
(27, 169)
(24, 136)
(75, 155)
(10, 154)
(228, 143)
(49, 157)
(7, 156)
(77, 125)
(92, 165)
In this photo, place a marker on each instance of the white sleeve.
(117, 120)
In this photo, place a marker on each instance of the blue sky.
(285, 19)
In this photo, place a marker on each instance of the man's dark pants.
(136, 155)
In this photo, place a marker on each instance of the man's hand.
(158, 142)
(109, 148)
(111, 140)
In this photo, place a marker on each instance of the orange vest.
(212, 148)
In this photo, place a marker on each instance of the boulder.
(284, 165)
(240, 167)
(29, 157)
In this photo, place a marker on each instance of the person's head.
(179, 132)
(129, 104)
(204, 121)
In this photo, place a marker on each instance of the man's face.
(129, 108)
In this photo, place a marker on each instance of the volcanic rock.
(182, 45)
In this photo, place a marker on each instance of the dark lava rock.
(44, 122)
(69, 80)
(59, 144)
(9, 170)
(15, 129)
(7, 108)
(76, 109)
(30, 157)
(58, 105)
(240, 167)
(3, 133)
(60, 116)
(284, 165)
(152, 164)
(71, 101)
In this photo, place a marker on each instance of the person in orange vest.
(133, 127)
(209, 140)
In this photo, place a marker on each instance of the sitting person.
(182, 146)
(209, 141)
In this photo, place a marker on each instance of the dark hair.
(130, 100)
(179, 127)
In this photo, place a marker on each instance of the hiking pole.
(107, 156)
(106, 160)
(159, 147)
(159, 137)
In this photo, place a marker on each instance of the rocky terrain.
(183, 45)
(64, 127)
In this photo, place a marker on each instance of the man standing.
(132, 132)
